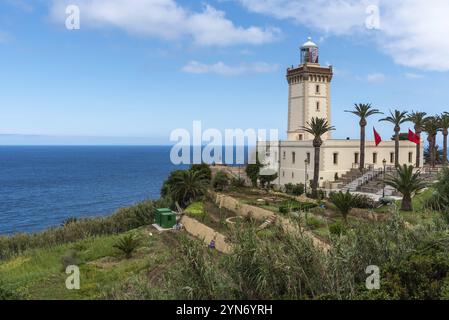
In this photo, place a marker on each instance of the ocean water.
(42, 186)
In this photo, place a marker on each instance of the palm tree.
(397, 118)
(317, 127)
(444, 125)
(431, 127)
(344, 202)
(186, 186)
(406, 182)
(418, 119)
(363, 111)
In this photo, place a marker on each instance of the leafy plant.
(406, 182)
(128, 244)
(221, 181)
(344, 203)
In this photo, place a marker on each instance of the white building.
(309, 96)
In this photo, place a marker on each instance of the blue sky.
(137, 69)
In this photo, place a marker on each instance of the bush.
(292, 205)
(314, 222)
(128, 245)
(204, 169)
(238, 182)
(221, 181)
(294, 189)
(7, 293)
(70, 258)
(196, 210)
(363, 202)
(337, 228)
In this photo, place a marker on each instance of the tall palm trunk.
(407, 204)
(362, 144)
(445, 134)
(316, 168)
(418, 148)
(434, 151)
(397, 129)
(429, 140)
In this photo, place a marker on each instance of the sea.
(42, 186)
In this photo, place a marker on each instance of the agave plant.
(407, 182)
(128, 245)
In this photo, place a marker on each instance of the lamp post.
(306, 162)
(385, 167)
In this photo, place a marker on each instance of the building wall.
(293, 170)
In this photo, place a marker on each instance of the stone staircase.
(368, 181)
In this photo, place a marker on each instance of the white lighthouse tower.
(309, 92)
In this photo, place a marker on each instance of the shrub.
(363, 202)
(204, 169)
(439, 201)
(294, 189)
(238, 182)
(7, 293)
(128, 245)
(337, 228)
(196, 210)
(221, 181)
(314, 222)
(70, 258)
(344, 202)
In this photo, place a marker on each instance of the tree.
(396, 118)
(253, 171)
(266, 180)
(344, 203)
(406, 182)
(418, 119)
(204, 169)
(187, 186)
(363, 111)
(221, 181)
(444, 125)
(317, 127)
(431, 127)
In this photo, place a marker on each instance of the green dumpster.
(165, 218)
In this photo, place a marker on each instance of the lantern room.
(309, 52)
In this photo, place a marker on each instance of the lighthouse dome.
(309, 44)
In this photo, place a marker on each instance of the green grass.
(39, 273)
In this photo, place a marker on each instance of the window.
(293, 157)
(284, 155)
(374, 158)
(293, 175)
(335, 158)
(356, 158)
(391, 157)
(410, 157)
(308, 157)
(283, 173)
(317, 89)
(300, 137)
(317, 106)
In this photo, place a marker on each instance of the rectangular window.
(317, 88)
(317, 106)
(293, 157)
(356, 158)
(410, 157)
(335, 158)
(308, 157)
(293, 175)
(283, 173)
(391, 157)
(283, 155)
(374, 158)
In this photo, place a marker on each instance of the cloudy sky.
(138, 69)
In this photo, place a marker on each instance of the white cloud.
(412, 32)
(411, 75)
(375, 77)
(165, 19)
(223, 69)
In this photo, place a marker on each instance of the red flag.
(413, 137)
(377, 137)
